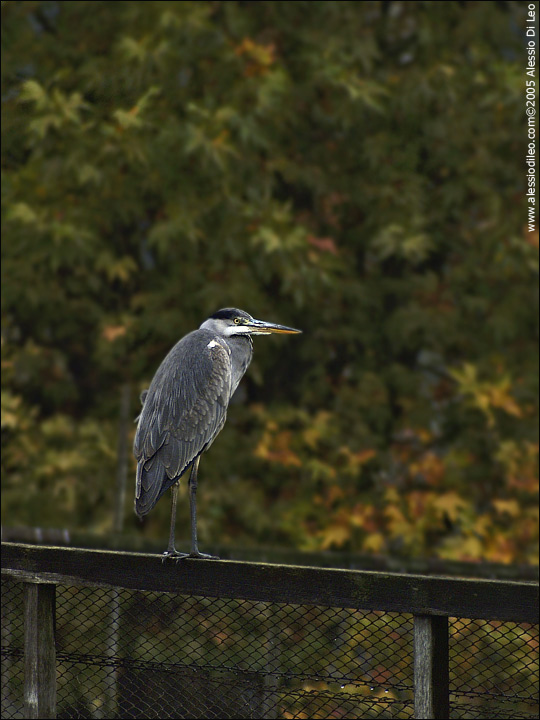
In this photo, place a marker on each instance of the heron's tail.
(152, 482)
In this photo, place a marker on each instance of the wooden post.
(39, 650)
(431, 675)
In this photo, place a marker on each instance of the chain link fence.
(137, 654)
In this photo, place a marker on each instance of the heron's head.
(231, 321)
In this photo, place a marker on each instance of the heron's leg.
(171, 551)
(193, 508)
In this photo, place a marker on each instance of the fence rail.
(268, 640)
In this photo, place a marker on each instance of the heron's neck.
(241, 354)
(244, 341)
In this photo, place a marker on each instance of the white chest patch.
(212, 344)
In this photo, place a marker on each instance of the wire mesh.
(12, 630)
(132, 654)
(166, 655)
(494, 668)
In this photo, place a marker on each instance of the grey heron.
(185, 408)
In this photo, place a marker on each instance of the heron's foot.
(202, 556)
(173, 555)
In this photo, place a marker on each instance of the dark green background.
(352, 169)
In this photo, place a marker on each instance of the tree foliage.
(353, 169)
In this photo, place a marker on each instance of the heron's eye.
(237, 321)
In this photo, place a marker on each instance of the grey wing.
(183, 411)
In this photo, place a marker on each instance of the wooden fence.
(431, 600)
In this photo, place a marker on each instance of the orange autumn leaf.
(451, 504)
(334, 536)
(277, 449)
(112, 332)
(508, 507)
(430, 467)
(325, 244)
(260, 57)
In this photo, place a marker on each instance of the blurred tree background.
(352, 169)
